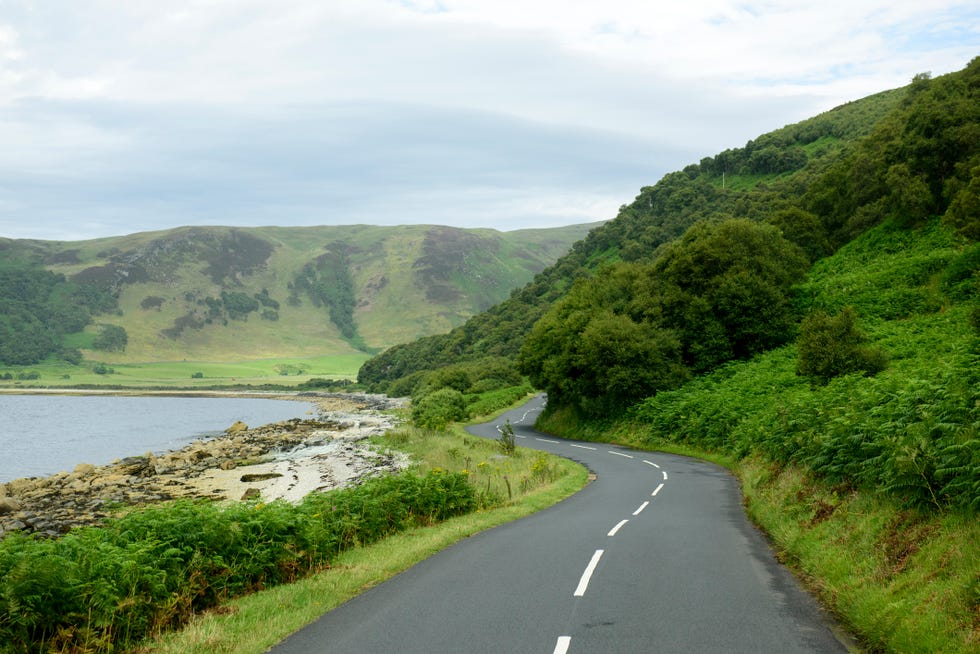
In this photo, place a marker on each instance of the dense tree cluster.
(718, 293)
(327, 282)
(112, 338)
(37, 308)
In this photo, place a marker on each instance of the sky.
(137, 115)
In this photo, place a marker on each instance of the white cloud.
(151, 114)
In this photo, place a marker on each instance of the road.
(655, 555)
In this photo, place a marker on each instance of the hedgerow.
(100, 589)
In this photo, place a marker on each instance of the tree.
(829, 346)
(112, 338)
(963, 214)
(439, 408)
(597, 350)
(725, 287)
(804, 229)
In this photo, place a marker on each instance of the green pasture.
(186, 374)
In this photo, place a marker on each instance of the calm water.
(44, 434)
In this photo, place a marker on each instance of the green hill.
(805, 310)
(231, 294)
(904, 154)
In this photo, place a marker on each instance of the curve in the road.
(655, 555)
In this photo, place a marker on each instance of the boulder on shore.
(51, 506)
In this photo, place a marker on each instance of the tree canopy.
(718, 293)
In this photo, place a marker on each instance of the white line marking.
(584, 447)
(628, 456)
(612, 532)
(561, 647)
(583, 583)
(665, 475)
(651, 463)
(656, 490)
(642, 506)
(545, 440)
(519, 436)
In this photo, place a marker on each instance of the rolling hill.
(229, 294)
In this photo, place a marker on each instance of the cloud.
(119, 117)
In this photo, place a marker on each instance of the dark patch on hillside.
(112, 276)
(235, 255)
(227, 256)
(327, 282)
(65, 257)
(188, 321)
(449, 253)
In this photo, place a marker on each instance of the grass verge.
(253, 623)
(902, 580)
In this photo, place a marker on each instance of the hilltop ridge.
(232, 293)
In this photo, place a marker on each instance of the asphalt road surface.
(655, 555)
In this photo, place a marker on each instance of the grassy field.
(188, 374)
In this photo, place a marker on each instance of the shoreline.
(278, 461)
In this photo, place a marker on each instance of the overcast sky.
(135, 115)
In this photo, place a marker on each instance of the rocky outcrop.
(283, 460)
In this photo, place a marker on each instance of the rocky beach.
(284, 460)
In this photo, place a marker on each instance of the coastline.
(279, 461)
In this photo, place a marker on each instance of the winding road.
(655, 555)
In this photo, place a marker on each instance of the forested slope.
(905, 154)
(757, 181)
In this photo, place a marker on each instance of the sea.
(45, 434)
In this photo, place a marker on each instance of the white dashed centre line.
(561, 647)
(583, 583)
(628, 456)
(656, 490)
(612, 532)
(650, 463)
(665, 475)
(545, 440)
(642, 506)
(584, 447)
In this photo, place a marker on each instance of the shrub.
(104, 589)
(506, 440)
(439, 408)
(832, 346)
(112, 338)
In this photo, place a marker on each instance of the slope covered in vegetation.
(225, 294)
(903, 154)
(808, 310)
(724, 185)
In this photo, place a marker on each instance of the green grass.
(906, 581)
(252, 624)
(179, 374)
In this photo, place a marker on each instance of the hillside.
(821, 182)
(226, 293)
(804, 310)
(769, 175)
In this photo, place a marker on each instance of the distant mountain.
(228, 293)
